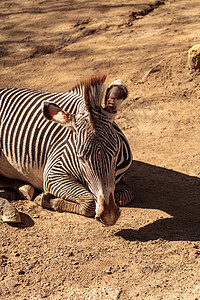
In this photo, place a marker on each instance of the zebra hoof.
(44, 200)
(26, 191)
(11, 217)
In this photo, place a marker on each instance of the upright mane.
(94, 89)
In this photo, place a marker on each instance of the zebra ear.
(53, 112)
(115, 94)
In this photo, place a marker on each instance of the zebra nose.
(107, 220)
(98, 219)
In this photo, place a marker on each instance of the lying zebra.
(67, 145)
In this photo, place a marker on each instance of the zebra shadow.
(175, 193)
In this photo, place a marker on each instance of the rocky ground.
(153, 252)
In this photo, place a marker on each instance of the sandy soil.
(153, 252)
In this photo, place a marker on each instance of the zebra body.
(52, 153)
(26, 137)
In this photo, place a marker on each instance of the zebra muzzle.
(107, 213)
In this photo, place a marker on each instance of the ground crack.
(134, 15)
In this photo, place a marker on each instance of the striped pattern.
(22, 121)
(54, 158)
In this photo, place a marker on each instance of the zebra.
(68, 145)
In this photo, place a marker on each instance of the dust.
(153, 252)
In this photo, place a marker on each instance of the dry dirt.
(153, 252)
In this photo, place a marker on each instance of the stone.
(194, 57)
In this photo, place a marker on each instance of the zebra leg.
(123, 195)
(8, 212)
(84, 207)
(64, 193)
(25, 190)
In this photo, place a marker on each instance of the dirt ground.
(153, 252)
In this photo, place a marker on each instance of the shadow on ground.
(10, 194)
(26, 222)
(175, 193)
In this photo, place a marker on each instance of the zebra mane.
(94, 90)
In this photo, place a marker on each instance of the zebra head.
(97, 142)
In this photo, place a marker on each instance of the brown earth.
(153, 252)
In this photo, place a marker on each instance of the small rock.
(16, 284)
(194, 57)
(110, 270)
(3, 260)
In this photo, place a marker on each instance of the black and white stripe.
(47, 155)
